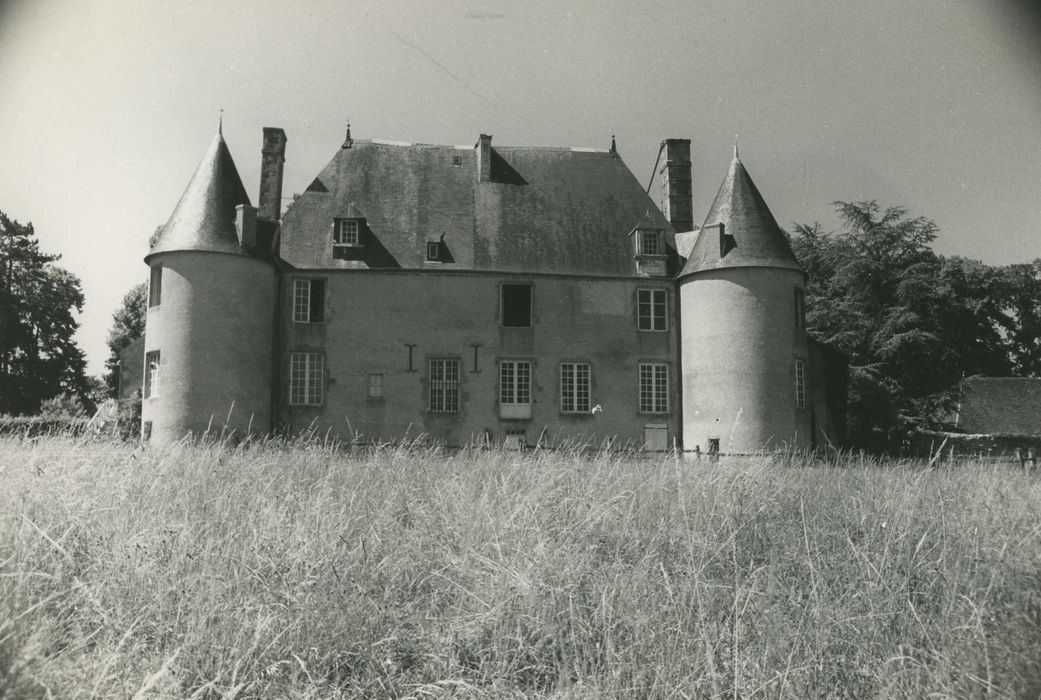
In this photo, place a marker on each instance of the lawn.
(307, 571)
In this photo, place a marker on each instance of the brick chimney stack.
(676, 185)
(272, 161)
(484, 158)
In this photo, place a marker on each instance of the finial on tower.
(614, 148)
(220, 123)
(348, 141)
(736, 157)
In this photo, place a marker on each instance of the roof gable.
(739, 230)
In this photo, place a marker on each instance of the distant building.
(483, 294)
(999, 405)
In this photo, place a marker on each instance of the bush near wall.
(34, 426)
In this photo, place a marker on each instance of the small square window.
(375, 386)
(516, 305)
(433, 251)
(457, 161)
(347, 232)
(651, 309)
(308, 301)
(649, 242)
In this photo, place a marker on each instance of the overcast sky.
(107, 107)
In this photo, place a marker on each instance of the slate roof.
(752, 237)
(204, 218)
(991, 405)
(544, 210)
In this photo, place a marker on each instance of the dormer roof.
(750, 234)
(204, 218)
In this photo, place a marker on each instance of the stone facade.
(520, 296)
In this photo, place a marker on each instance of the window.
(516, 439)
(800, 308)
(651, 305)
(347, 232)
(516, 305)
(654, 387)
(444, 385)
(155, 286)
(648, 242)
(308, 301)
(375, 386)
(515, 389)
(433, 251)
(457, 161)
(152, 375)
(306, 377)
(800, 384)
(574, 387)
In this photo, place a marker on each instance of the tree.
(128, 324)
(39, 357)
(912, 323)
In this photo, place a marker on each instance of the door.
(655, 437)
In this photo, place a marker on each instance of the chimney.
(246, 226)
(484, 158)
(272, 159)
(676, 192)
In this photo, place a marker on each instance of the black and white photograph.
(520, 349)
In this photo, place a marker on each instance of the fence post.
(1032, 457)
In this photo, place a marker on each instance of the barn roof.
(204, 218)
(751, 236)
(543, 210)
(991, 405)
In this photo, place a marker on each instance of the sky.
(106, 107)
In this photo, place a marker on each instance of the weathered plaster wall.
(740, 343)
(214, 330)
(371, 316)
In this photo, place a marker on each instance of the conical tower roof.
(204, 218)
(751, 236)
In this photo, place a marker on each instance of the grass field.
(307, 572)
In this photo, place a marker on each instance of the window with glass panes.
(652, 309)
(515, 382)
(306, 378)
(152, 375)
(347, 232)
(654, 387)
(574, 387)
(444, 385)
(308, 301)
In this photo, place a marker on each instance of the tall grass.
(303, 572)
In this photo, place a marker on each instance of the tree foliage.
(913, 323)
(39, 357)
(128, 324)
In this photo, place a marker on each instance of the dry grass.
(305, 572)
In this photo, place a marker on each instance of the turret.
(209, 329)
(744, 345)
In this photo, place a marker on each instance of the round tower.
(210, 325)
(743, 337)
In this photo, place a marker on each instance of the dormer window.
(433, 251)
(347, 232)
(649, 242)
